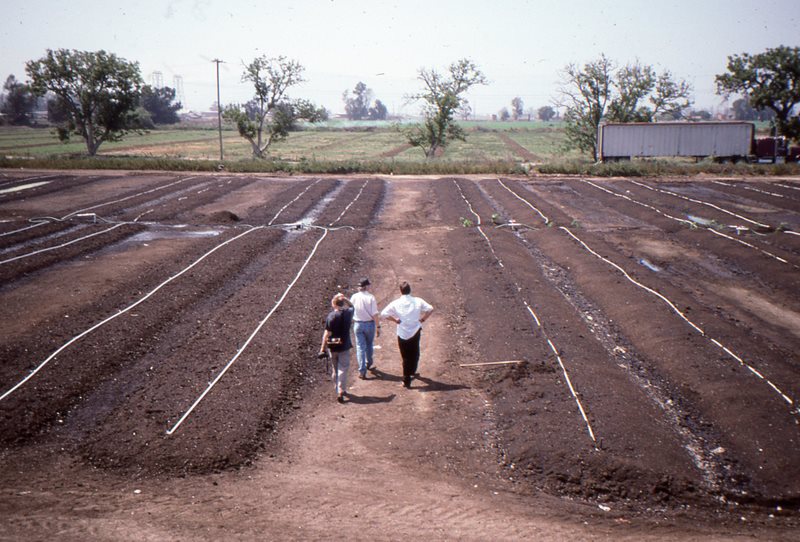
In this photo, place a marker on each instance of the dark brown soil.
(681, 439)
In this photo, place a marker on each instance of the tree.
(271, 115)
(160, 103)
(517, 108)
(356, 107)
(503, 114)
(600, 91)
(465, 110)
(770, 80)
(546, 113)
(19, 102)
(742, 110)
(97, 91)
(585, 93)
(443, 96)
(378, 111)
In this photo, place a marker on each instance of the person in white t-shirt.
(408, 313)
(366, 326)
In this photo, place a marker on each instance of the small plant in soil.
(466, 222)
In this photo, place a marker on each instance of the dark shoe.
(372, 368)
(362, 376)
(407, 382)
(340, 399)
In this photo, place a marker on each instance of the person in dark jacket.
(336, 338)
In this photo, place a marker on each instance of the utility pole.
(219, 110)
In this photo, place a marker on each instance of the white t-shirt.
(365, 306)
(407, 309)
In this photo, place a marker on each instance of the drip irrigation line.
(69, 215)
(526, 202)
(307, 188)
(480, 229)
(123, 311)
(156, 189)
(539, 325)
(700, 202)
(681, 315)
(48, 249)
(249, 339)
(745, 187)
(62, 245)
(350, 204)
(677, 311)
(689, 223)
(788, 186)
(26, 228)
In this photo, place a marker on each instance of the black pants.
(409, 350)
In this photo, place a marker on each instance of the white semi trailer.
(721, 140)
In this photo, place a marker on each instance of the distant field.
(333, 141)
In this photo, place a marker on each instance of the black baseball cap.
(364, 282)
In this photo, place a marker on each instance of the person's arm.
(425, 311)
(376, 317)
(389, 313)
(340, 296)
(325, 336)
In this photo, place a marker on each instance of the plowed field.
(607, 358)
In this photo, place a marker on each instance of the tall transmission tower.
(157, 79)
(177, 80)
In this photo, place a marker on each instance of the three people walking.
(407, 311)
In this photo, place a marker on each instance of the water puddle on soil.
(700, 220)
(171, 233)
(23, 187)
(311, 217)
(651, 266)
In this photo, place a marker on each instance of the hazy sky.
(520, 45)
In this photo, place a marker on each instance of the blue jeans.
(365, 336)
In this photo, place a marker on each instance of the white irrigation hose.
(126, 198)
(673, 307)
(564, 371)
(350, 204)
(480, 229)
(123, 311)
(679, 313)
(749, 188)
(675, 194)
(21, 256)
(42, 223)
(538, 324)
(274, 218)
(249, 339)
(788, 186)
(36, 225)
(526, 202)
(750, 245)
(686, 222)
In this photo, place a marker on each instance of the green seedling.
(466, 222)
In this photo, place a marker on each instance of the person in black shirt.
(337, 339)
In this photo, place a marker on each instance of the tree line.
(101, 97)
